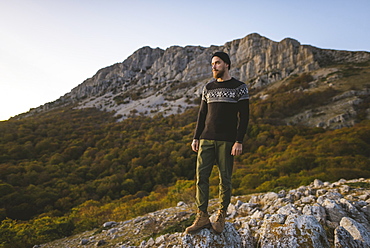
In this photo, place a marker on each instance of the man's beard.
(218, 74)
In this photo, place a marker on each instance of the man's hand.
(236, 149)
(195, 145)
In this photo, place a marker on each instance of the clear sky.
(48, 47)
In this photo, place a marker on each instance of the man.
(222, 123)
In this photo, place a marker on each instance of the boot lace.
(199, 215)
(220, 215)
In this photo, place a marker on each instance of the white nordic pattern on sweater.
(225, 94)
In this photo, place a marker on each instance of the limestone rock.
(288, 209)
(343, 239)
(153, 81)
(229, 238)
(296, 231)
(356, 231)
(109, 224)
(333, 219)
(317, 211)
(84, 241)
(270, 198)
(317, 183)
(334, 210)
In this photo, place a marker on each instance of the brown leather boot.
(202, 220)
(219, 223)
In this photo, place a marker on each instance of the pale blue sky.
(48, 47)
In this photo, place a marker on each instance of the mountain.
(320, 215)
(114, 148)
(155, 81)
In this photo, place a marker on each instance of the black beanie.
(223, 56)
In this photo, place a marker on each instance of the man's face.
(218, 67)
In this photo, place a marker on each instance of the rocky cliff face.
(153, 81)
(319, 215)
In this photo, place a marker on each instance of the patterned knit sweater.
(224, 111)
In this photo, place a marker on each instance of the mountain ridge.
(155, 81)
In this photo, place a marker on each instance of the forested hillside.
(69, 170)
(59, 160)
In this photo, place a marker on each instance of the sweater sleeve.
(201, 119)
(243, 109)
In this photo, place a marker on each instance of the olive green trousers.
(213, 152)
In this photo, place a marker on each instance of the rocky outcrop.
(319, 215)
(153, 81)
(338, 113)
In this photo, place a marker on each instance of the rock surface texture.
(319, 215)
(153, 81)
